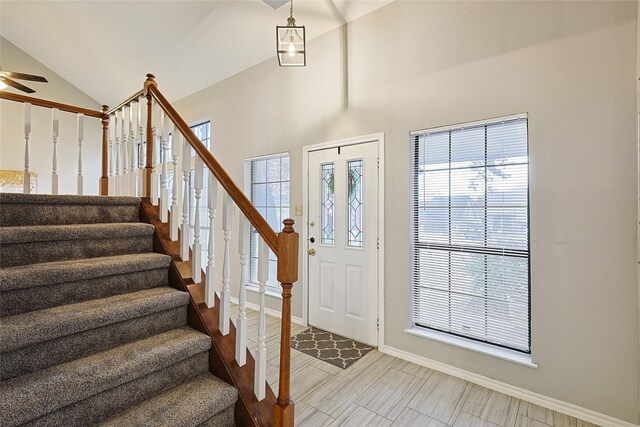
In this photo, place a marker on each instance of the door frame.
(379, 139)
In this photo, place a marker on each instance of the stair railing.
(122, 147)
(169, 144)
(56, 108)
(128, 169)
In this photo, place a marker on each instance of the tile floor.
(381, 390)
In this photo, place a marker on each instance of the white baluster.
(80, 139)
(176, 141)
(261, 353)
(26, 187)
(133, 127)
(142, 103)
(212, 204)
(126, 124)
(184, 233)
(55, 124)
(183, 145)
(241, 324)
(112, 132)
(118, 180)
(156, 150)
(196, 273)
(164, 191)
(225, 293)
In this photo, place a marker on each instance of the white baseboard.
(517, 392)
(270, 312)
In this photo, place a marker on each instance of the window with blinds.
(270, 195)
(471, 231)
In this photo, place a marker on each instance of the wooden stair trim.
(222, 362)
(51, 104)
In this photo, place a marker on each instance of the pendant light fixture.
(290, 43)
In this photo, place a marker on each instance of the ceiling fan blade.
(16, 85)
(23, 76)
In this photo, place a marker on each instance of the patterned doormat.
(329, 347)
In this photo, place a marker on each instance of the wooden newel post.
(283, 409)
(148, 168)
(104, 179)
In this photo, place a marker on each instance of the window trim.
(503, 353)
(469, 124)
(251, 285)
(478, 345)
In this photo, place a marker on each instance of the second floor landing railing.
(56, 108)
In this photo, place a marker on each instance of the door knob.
(311, 252)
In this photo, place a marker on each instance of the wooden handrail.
(238, 196)
(126, 102)
(283, 244)
(50, 104)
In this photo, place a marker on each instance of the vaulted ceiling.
(105, 48)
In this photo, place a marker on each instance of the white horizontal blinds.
(270, 196)
(471, 232)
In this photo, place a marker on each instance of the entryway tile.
(439, 396)
(390, 393)
(308, 416)
(410, 418)
(357, 416)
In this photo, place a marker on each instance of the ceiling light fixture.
(290, 43)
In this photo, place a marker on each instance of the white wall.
(12, 133)
(638, 140)
(414, 65)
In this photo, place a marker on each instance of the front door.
(343, 240)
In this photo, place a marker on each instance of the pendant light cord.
(291, 22)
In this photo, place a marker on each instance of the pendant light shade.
(290, 43)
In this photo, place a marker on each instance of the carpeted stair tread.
(42, 209)
(49, 243)
(43, 325)
(22, 198)
(50, 273)
(103, 406)
(46, 233)
(189, 404)
(44, 354)
(30, 396)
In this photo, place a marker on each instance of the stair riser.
(13, 215)
(60, 250)
(42, 355)
(104, 405)
(40, 297)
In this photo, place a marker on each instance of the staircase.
(91, 333)
(96, 327)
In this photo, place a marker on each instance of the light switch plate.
(297, 210)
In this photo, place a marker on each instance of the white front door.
(343, 239)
